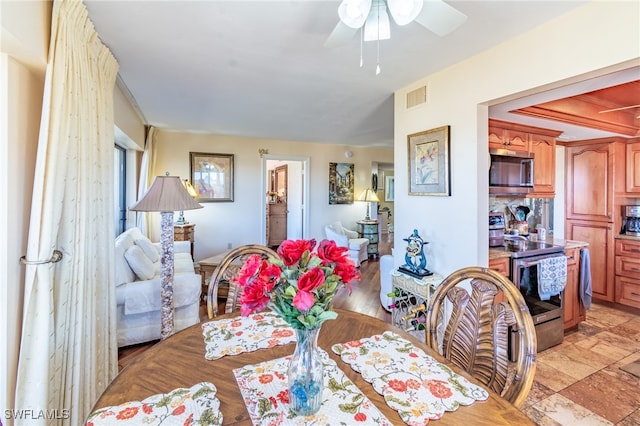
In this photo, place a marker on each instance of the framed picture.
(389, 188)
(429, 162)
(212, 176)
(341, 183)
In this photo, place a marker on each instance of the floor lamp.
(166, 195)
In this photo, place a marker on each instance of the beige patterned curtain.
(68, 352)
(146, 178)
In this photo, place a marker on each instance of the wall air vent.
(417, 97)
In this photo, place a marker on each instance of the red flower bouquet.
(299, 284)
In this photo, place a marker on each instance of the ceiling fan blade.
(341, 34)
(439, 17)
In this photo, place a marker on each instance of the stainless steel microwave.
(510, 172)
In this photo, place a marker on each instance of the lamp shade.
(167, 194)
(369, 195)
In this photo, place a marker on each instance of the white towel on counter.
(552, 276)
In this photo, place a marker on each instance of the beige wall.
(25, 28)
(239, 222)
(19, 143)
(568, 49)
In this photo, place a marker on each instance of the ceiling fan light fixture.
(377, 26)
(404, 11)
(353, 13)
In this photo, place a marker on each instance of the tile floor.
(579, 382)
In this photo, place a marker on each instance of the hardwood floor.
(365, 298)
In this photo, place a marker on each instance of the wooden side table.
(207, 267)
(184, 233)
(369, 229)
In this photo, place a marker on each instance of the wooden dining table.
(179, 361)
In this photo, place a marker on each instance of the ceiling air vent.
(417, 97)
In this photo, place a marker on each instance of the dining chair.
(226, 271)
(476, 336)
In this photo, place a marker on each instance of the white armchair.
(348, 238)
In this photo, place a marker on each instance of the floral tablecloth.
(265, 393)
(232, 336)
(413, 383)
(197, 405)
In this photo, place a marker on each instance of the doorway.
(284, 214)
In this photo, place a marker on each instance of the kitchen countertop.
(501, 252)
(627, 237)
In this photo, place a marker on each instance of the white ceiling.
(259, 68)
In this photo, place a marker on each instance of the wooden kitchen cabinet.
(501, 265)
(594, 179)
(594, 172)
(600, 237)
(536, 140)
(633, 168)
(504, 135)
(573, 309)
(627, 281)
(544, 179)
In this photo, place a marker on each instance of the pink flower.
(291, 251)
(249, 270)
(329, 252)
(347, 272)
(303, 300)
(254, 298)
(295, 281)
(311, 280)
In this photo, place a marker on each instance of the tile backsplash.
(541, 210)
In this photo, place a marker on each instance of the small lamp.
(166, 195)
(369, 196)
(192, 191)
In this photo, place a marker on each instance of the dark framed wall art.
(341, 183)
(212, 176)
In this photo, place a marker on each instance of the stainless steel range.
(547, 315)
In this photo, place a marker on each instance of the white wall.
(594, 39)
(239, 222)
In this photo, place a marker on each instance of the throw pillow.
(148, 248)
(141, 265)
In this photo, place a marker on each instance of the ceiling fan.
(372, 17)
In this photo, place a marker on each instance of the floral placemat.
(197, 405)
(232, 336)
(264, 389)
(413, 383)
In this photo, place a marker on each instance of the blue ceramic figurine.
(415, 260)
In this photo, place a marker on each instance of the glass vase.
(306, 380)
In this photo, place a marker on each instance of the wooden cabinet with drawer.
(501, 265)
(627, 280)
